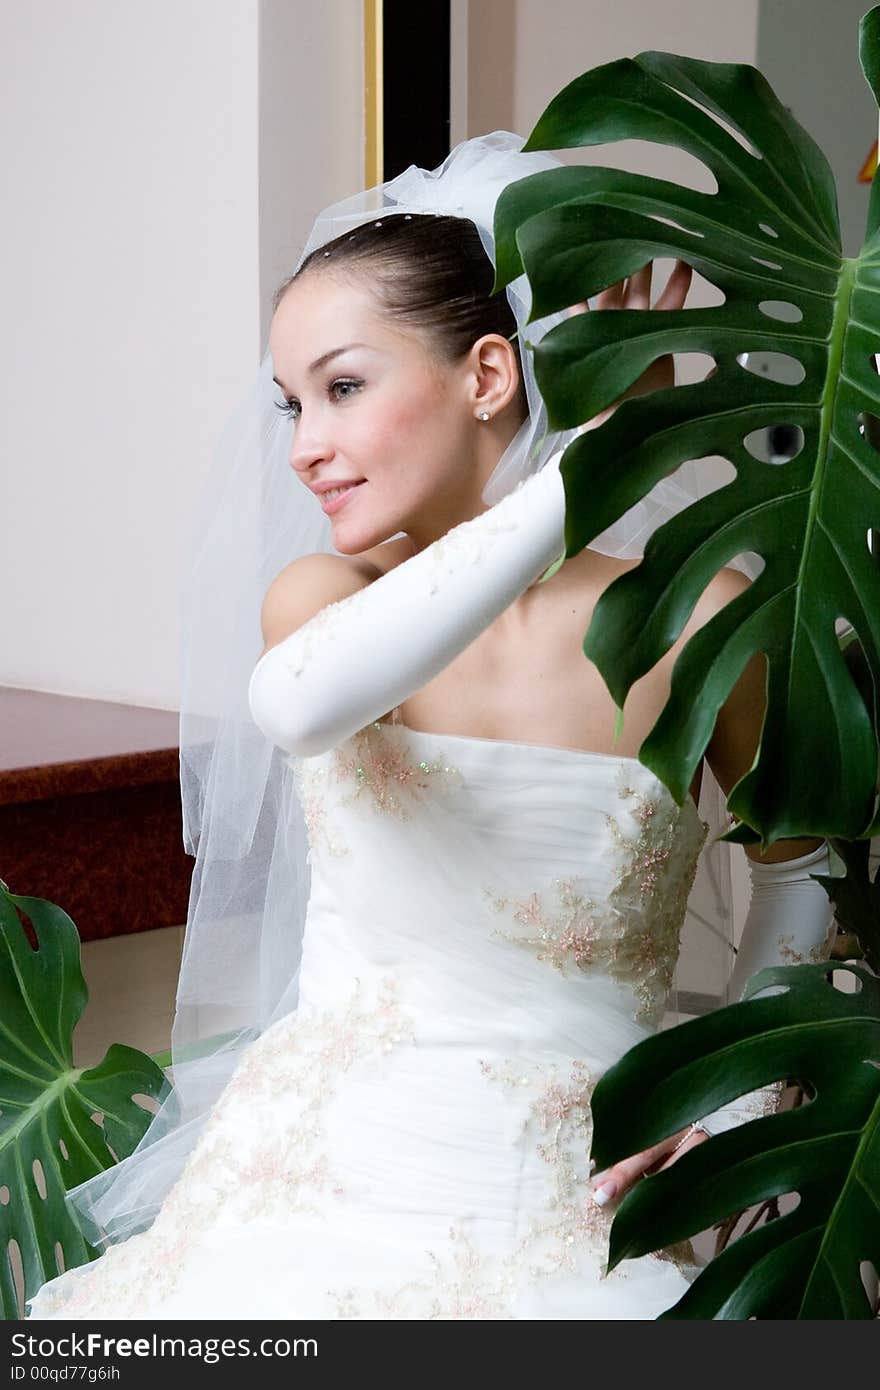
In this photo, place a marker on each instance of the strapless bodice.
(480, 864)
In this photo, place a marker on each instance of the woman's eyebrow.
(322, 361)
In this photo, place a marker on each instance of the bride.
(495, 887)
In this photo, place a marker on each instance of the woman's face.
(383, 413)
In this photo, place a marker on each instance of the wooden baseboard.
(90, 811)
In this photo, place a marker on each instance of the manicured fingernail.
(605, 1193)
(592, 1166)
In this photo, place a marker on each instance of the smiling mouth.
(335, 498)
(335, 492)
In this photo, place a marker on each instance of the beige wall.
(161, 164)
(822, 84)
(311, 153)
(522, 52)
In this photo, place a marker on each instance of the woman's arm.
(737, 733)
(366, 653)
(790, 917)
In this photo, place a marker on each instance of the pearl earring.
(483, 415)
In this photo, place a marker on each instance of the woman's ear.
(494, 373)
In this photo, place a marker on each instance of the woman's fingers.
(612, 298)
(699, 1136)
(615, 1182)
(675, 291)
(638, 290)
(635, 293)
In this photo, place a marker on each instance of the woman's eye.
(355, 385)
(293, 408)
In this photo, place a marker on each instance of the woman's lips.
(331, 503)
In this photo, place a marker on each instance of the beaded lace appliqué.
(561, 1122)
(561, 1109)
(236, 1174)
(387, 773)
(633, 933)
(381, 771)
(467, 543)
(790, 955)
(320, 630)
(311, 783)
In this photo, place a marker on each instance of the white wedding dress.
(490, 925)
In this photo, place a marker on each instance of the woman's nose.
(308, 447)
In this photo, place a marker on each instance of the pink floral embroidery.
(633, 935)
(386, 772)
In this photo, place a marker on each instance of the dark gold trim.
(373, 112)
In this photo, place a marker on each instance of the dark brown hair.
(428, 272)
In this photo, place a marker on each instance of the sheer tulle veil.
(242, 819)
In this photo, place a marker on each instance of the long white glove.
(400, 631)
(790, 920)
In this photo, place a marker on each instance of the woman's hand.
(635, 293)
(613, 1183)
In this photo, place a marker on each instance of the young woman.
(496, 887)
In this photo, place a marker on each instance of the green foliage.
(59, 1124)
(768, 239)
(768, 236)
(856, 898)
(806, 1263)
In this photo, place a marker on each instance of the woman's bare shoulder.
(727, 584)
(724, 585)
(312, 582)
(599, 571)
(307, 585)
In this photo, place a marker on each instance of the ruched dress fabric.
(490, 925)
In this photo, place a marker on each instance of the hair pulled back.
(428, 272)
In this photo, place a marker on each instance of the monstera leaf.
(58, 1124)
(805, 1264)
(768, 238)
